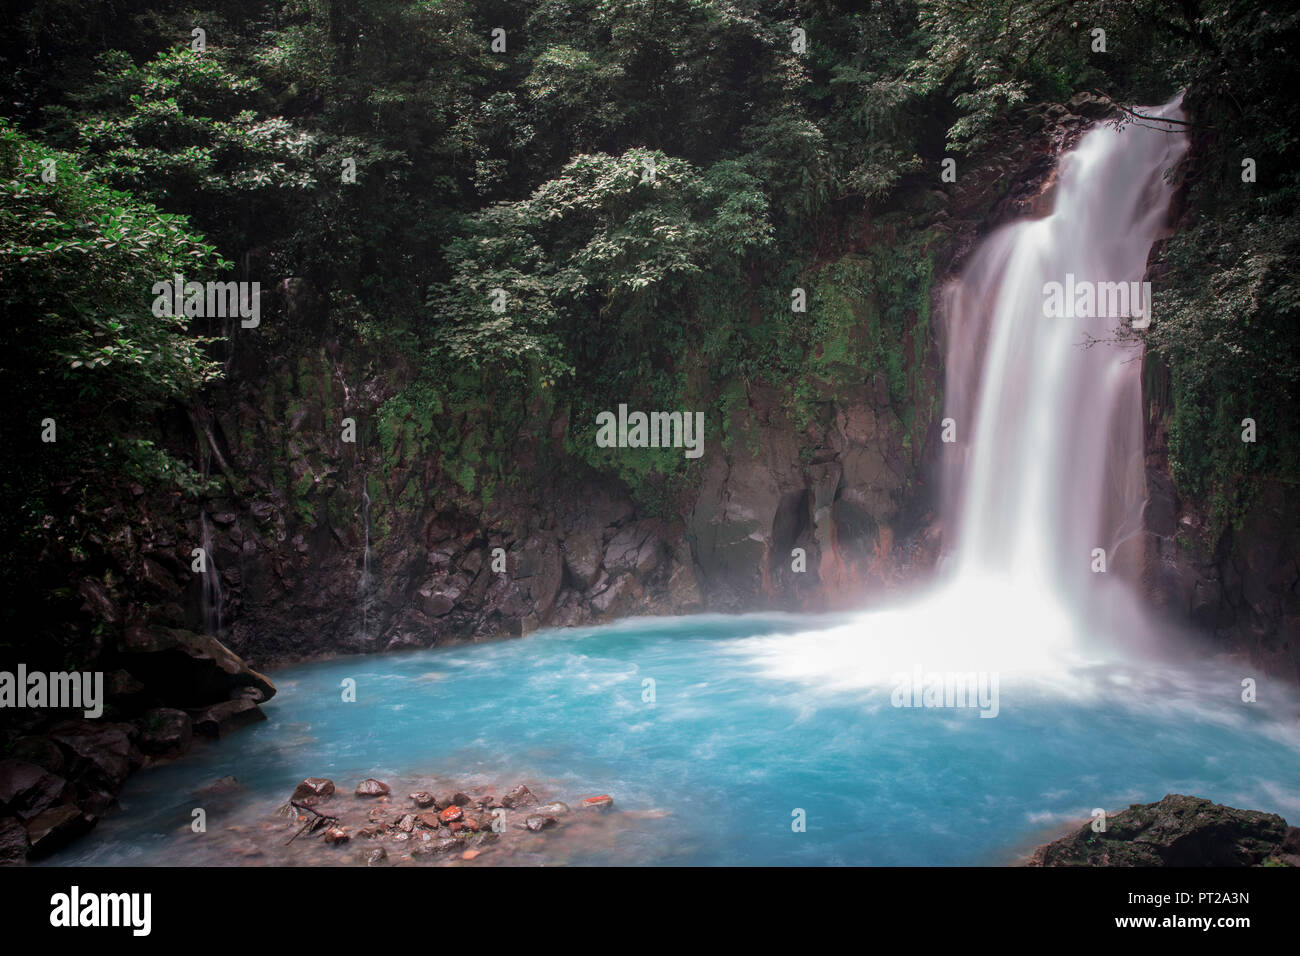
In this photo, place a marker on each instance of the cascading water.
(212, 597)
(1054, 428)
(1048, 465)
(365, 561)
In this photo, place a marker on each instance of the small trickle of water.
(212, 598)
(364, 591)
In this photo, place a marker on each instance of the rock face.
(63, 774)
(1243, 589)
(1177, 831)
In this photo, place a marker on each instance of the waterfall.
(1048, 463)
(1050, 427)
(365, 560)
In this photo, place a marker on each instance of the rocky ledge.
(1178, 831)
(164, 688)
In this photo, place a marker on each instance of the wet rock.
(53, 828)
(13, 841)
(461, 799)
(27, 789)
(313, 790)
(602, 802)
(165, 732)
(444, 845)
(422, 800)
(370, 787)
(430, 820)
(100, 753)
(1177, 831)
(377, 857)
(520, 796)
(407, 823)
(337, 835)
(556, 809)
(537, 822)
(451, 814)
(225, 718)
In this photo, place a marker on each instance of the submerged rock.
(537, 822)
(1176, 831)
(422, 800)
(602, 802)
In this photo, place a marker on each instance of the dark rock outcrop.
(1177, 831)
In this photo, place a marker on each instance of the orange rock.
(602, 802)
(451, 814)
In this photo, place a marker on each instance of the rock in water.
(1177, 831)
(602, 802)
(422, 800)
(336, 835)
(520, 796)
(370, 787)
(313, 790)
(536, 823)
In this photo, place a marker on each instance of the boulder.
(53, 828)
(313, 790)
(27, 789)
(226, 717)
(1177, 831)
(520, 796)
(13, 841)
(39, 750)
(100, 753)
(370, 787)
(189, 670)
(165, 732)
